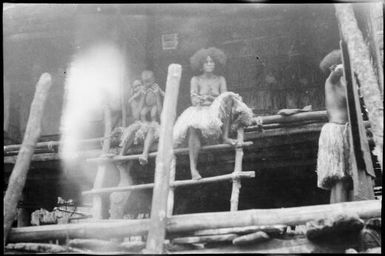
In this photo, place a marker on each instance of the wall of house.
(273, 54)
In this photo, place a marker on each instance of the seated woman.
(145, 105)
(214, 111)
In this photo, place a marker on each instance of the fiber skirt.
(209, 119)
(333, 162)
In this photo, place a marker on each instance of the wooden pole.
(237, 169)
(199, 221)
(118, 200)
(97, 201)
(20, 170)
(157, 230)
(315, 115)
(361, 158)
(170, 201)
(178, 151)
(362, 67)
(177, 183)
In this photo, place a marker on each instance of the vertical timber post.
(97, 202)
(170, 201)
(237, 169)
(20, 171)
(157, 230)
(362, 67)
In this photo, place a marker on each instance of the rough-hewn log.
(237, 169)
(48, 145)
(97, 202)
(178, 151)
(170, 200)
(315, 115)
(252, 238)
(199, 221)
(157, 232)
(20, 170)
(362, 67)
(271, 230)
(36, 248)
(204, 239)
(177, 183)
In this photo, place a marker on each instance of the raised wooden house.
(273, 63)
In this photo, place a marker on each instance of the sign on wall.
(169, 41)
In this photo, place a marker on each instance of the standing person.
(212, 110)
(334, 163)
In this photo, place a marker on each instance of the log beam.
(20, 170)
(174, 184)
(198, 221)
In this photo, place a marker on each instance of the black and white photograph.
(249, 127)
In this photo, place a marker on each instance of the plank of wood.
(198, 221)
(157, 232)
(20, 170)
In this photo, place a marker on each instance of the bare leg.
(143, 159)
(143, 114)
(154, 112)
(226, 131)
(194, 146)
(129, 138)
(339, 193)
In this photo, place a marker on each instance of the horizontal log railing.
(198, 221)
(177, 151)
(177, 183)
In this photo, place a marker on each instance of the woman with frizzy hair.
(214, 111)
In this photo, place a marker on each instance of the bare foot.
(195, 175)
(230, 141)
(143, 160)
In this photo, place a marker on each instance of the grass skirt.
(209, 119)
(139, 128)
(333, 163)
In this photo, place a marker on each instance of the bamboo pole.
(199, 221)
(97, 201)
(20, 171)
(362, 67)
(157, 230)
(177, 183)
(234, 200)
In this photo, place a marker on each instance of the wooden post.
(157, 230)
(118, 200)
(170, 201)
(361, 158)
(20, 170)
(237, 169)
(362, 67)
(97, 202)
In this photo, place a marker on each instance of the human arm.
(336, 74)
(135, 96)
(195, 97)
(223, 84)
